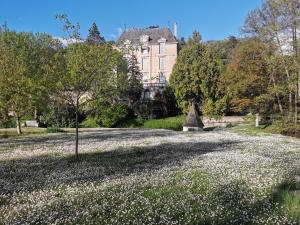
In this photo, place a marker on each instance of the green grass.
(250, 129)
(170, 123)
(288, 196)
(54, 130)
(26, 131)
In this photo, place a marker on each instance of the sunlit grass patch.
(249, 129)
(288, 195)
(26, 131)
(171, 123)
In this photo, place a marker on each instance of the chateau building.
(156, 52)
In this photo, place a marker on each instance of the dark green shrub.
(8, 122)
(113, 115)
(60, 114)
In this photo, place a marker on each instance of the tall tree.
(246, 78)
(195, 74)
(92, 73)
(134, 82)
(277, 22)
(24, 72)
(94, 36)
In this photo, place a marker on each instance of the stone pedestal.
(193, 121)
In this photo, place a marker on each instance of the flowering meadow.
(136, 176)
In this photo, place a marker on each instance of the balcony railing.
(154, 84)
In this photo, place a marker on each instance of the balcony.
(145, 85)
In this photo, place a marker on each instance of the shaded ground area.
(135, 176)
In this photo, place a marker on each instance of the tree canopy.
(195, 74)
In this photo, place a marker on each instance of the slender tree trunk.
(257, 119)
(296, 105)
(35, 114)
(76, 145)
(295, 46)
(290, 113)
(276, 93)
(18, 122)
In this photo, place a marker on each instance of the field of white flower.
(134, 176)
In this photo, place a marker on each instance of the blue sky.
(215, 19)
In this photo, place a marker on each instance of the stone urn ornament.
(193, 121)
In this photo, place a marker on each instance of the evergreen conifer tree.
(94, 36)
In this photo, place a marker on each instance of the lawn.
(170, 123)
(144, 176)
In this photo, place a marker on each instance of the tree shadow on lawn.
(238, 206)
(90, 136)
(51, 170)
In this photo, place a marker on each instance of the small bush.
(9, 122)
(53, 130)
(89, 122)
(132, 123)
(114, 115)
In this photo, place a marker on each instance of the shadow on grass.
(86, 135)
(46, 171)
(287, 195)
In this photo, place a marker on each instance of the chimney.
(175, 29)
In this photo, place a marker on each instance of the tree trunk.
(290, 105)
(296, 105)
(257, 119)
(19, 130)
(290, 113)
(295, 47)
(276, 94)
(76, 122)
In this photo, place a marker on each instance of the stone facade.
(156, 52)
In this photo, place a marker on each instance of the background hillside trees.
(246, 76)
(277, 23)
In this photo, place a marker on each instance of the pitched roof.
(193, 119)
(154, 34)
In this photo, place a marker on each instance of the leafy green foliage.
(59, 114)
(195, 74)
(113, 115)
(133, 86)
(25, 68)
(89, 122)
(246, 76)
